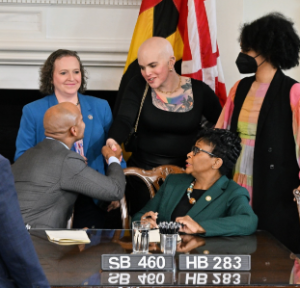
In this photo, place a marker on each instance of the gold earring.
(171, 69)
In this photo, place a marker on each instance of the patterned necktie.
(78, 145)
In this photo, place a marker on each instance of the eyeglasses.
(197, 150)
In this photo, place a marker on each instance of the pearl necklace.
(189, 191)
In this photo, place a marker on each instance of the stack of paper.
(68, 237)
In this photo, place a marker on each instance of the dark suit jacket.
(48, 178)
(18, 259)
(228, 213)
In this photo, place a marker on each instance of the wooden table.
(79, 265)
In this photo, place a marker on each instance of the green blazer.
(225, 213)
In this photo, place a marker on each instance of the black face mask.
(246, 64)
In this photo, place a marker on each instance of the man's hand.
(189, 225)
(113, 205)
(151, 218)
(108, 152)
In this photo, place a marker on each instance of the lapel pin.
(90, 116)
(208, 198)
(206, 252)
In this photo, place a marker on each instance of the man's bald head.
(59, 119)
(158, 47)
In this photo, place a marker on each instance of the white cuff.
(113, 159)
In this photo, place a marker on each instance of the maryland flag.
(190, 26)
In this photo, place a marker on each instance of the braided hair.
(226, 145)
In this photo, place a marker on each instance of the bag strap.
(142, 103)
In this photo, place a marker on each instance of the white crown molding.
(88, 59)
(119, 46)
(30, 32)
(74, 2)
(104, 63)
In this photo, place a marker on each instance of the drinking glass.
(168, 243)
(140, 236)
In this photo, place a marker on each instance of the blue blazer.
(96, 115)
(18, 260)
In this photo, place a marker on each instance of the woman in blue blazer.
(63, 77)
(204, 199)
(96, 115)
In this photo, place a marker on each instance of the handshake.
(112, 148)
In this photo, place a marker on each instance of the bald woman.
(49, 177)
(170, 116)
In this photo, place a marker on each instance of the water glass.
(168, 243)
(140, 236)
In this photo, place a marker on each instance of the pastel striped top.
(246, 127)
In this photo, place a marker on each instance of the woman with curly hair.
(63, 78)
(264, 110)
(204, 199)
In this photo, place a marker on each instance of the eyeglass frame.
(198, 150)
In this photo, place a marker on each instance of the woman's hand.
(189, 242)
(190, 226)
(114, 146)
(151, 218)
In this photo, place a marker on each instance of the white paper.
(154, 236)
(68, 236)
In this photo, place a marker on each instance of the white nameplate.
(137, 262)
(215, 262)
(213, 278)
(136, 278)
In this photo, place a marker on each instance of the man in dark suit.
(19, 265)
(49, 176)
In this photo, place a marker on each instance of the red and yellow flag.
(190, 27)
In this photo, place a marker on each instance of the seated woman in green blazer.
(204, 199)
